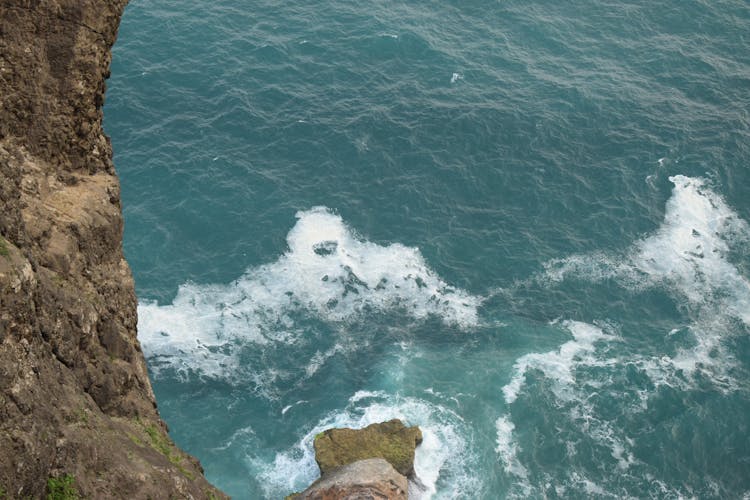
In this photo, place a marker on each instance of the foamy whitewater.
(522, 226)
(689, 257)
(444, 447)
(327, 272)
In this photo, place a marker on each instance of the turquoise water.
(522, 226)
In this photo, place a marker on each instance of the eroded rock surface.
(371, 479)
(75, 399)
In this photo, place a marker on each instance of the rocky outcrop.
(391, 440)
(373, 478)
(369, 463)
(76, 406)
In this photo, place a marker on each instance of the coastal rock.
(77, 412)
(373, 478)
(391, 440)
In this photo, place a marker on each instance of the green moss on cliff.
(159, 441)
(5, 252)
(62, 488)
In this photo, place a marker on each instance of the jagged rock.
(391, 440)
(369, 479)
(76, 405)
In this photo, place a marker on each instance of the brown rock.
(370, 479)
(390, 440)
(76, 405)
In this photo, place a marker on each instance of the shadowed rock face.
(75, 398)
(390, 440)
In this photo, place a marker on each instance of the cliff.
(76, 407)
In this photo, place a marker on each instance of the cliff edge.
(77, 412)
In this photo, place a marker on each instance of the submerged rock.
(373, 478)
(392, 441)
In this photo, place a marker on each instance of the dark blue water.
(522, 226)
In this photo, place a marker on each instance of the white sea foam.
(289, 407)
(327, 272)
(444, 451)
(560, 367)
(588, 486)
(242, 435)
(557, 365)
(507, 448)
(689, 256)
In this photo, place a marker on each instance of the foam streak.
(328, 272)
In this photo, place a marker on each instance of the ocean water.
(522, 226)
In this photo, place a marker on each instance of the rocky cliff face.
(76, 405)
